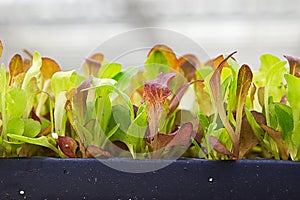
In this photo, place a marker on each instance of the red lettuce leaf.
(247, 138)
(215, 85)
(92, 64)
(215, 63)
(15, 67)
(68, 146)
(181, 137)
(161, 142)
(243, 85)
(49, 67)
(156, 91)
(155, 94)
(79, 100)
(93, 151)
(219, 147)
(294, 65)
(278, 138)
(189, 64)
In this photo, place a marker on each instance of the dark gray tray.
(50, 178)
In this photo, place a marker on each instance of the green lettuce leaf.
(34, 70)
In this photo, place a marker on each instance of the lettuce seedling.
(215, 85)
(155, 94)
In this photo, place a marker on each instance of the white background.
(68, 30)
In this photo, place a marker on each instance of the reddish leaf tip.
(294, 64)
(157, 90)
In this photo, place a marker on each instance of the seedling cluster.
(115, 111)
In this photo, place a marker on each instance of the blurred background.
(69, 30)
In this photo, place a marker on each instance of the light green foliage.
(270, 76)
(121, 116)
(293, 97)
(34, 70)
(41, 141)
(136, 131)
(32, 128)
(61, 83)
(16, 100)
(109, 70)
(156, 63)
(16, 126)
(285, 119)
(124, 78)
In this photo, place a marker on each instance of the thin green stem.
(3, 112)
(51, 115)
